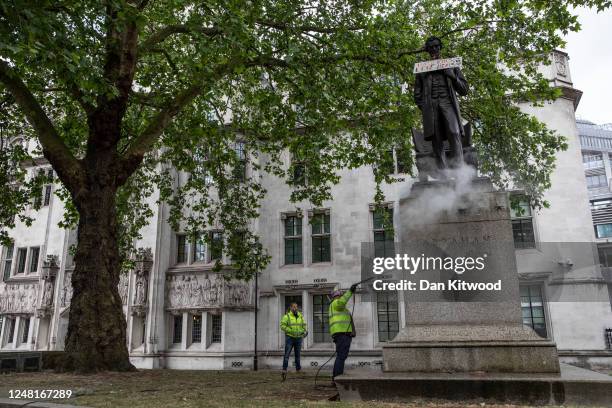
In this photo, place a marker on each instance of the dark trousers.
(343, 345)
(296, 343)
(446, 127)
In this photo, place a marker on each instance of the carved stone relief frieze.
(18, 298)
(205, 290)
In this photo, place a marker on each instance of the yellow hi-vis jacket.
(339, 315)
(293, 326)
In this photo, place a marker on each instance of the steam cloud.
(453, 194)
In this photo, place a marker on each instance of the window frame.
(31, 260)
(602, 179)
(320, 332)
(7, 259)
(297, 238)
(298, 174)
(383, 229)
(216, 328)
(592, 157)
(240, 170)
(182, 242)
(322, 235)
(214, 245)
(604, 235)
(25, 331)
(193, 318)
(521, 221)
(12, 321)
(47, 189)
(198, 239)
(201, 157)
(177, 330)
(387, 301)
(18, 264)
(544, 317)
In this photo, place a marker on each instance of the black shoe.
(283, 375)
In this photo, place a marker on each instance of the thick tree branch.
(121, 49)
(118, 71)
(162, 34)
(63, 161)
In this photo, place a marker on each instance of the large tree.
(118, 93)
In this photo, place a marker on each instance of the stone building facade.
(182, 315)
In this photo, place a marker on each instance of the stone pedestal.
(465, 330)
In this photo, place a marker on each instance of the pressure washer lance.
(316, 386)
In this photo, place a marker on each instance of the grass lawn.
(186, 389)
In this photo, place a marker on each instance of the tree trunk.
(96, 339)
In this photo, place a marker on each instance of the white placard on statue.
(437, 64)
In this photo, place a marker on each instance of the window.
(144, 330)
(592, 160)
(605, 256)
(241, 165)
(48, 188)
(199, 248)
(177, 333)
(216, 328)
(320, 319)
(196, 329)
(7, 261)
(395, 161)
(26, 331)
(321, 238)
(289, 299)
(182, 248)
(603, 230)
(216, 245)
(596, 181)
(522, 225)
(34, 254)
(387, 164)
(382, 220)
(532, 308)
(11, 330)
(298, 176)
(388, 319)
(293, 239)
(403, 158)
(22, 254)
(200, 158)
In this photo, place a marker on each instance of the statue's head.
(433, 45)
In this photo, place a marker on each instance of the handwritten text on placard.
(437, 64)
